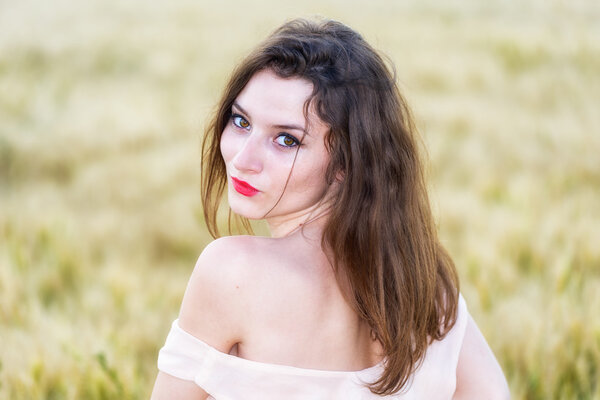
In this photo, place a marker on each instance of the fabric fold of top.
(228, 377)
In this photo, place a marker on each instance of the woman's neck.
(313, 221)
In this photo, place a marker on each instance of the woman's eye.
(240, 121)
(286, 140)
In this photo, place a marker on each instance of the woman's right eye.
(240, 121)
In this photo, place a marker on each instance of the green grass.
(102, 106)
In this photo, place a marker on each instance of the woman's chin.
(247, 212)
(250, 217)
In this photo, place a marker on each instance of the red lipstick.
(244, 187)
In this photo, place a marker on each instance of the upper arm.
(478, 373)
(210, 311)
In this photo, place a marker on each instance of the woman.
(352, 296)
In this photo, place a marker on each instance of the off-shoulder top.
(228, 377)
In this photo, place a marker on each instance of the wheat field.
(102, 108)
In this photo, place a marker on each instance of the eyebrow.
(277, 126)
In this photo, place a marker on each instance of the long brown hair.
(380, 232)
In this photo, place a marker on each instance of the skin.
(241, 306)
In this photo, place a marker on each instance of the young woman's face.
(259, 143)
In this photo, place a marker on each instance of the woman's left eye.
(240, 121)
(286, 140)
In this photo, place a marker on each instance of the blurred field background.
(102, 105)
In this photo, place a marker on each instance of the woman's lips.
(243, 187)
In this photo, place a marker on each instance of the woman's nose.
(249, 156)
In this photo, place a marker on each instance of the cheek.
(313, 177)
(227, 146)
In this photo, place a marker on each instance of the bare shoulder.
(225, 258)
(212, 307)
(241, 284)
(254, 266)
(478, 373)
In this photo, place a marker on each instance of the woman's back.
(285, 354)
(294, 312)
(298, 338)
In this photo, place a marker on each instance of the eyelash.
(287, 136)
(237, 120)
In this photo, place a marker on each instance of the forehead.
(268, 96)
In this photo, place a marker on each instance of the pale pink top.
(228, 377)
